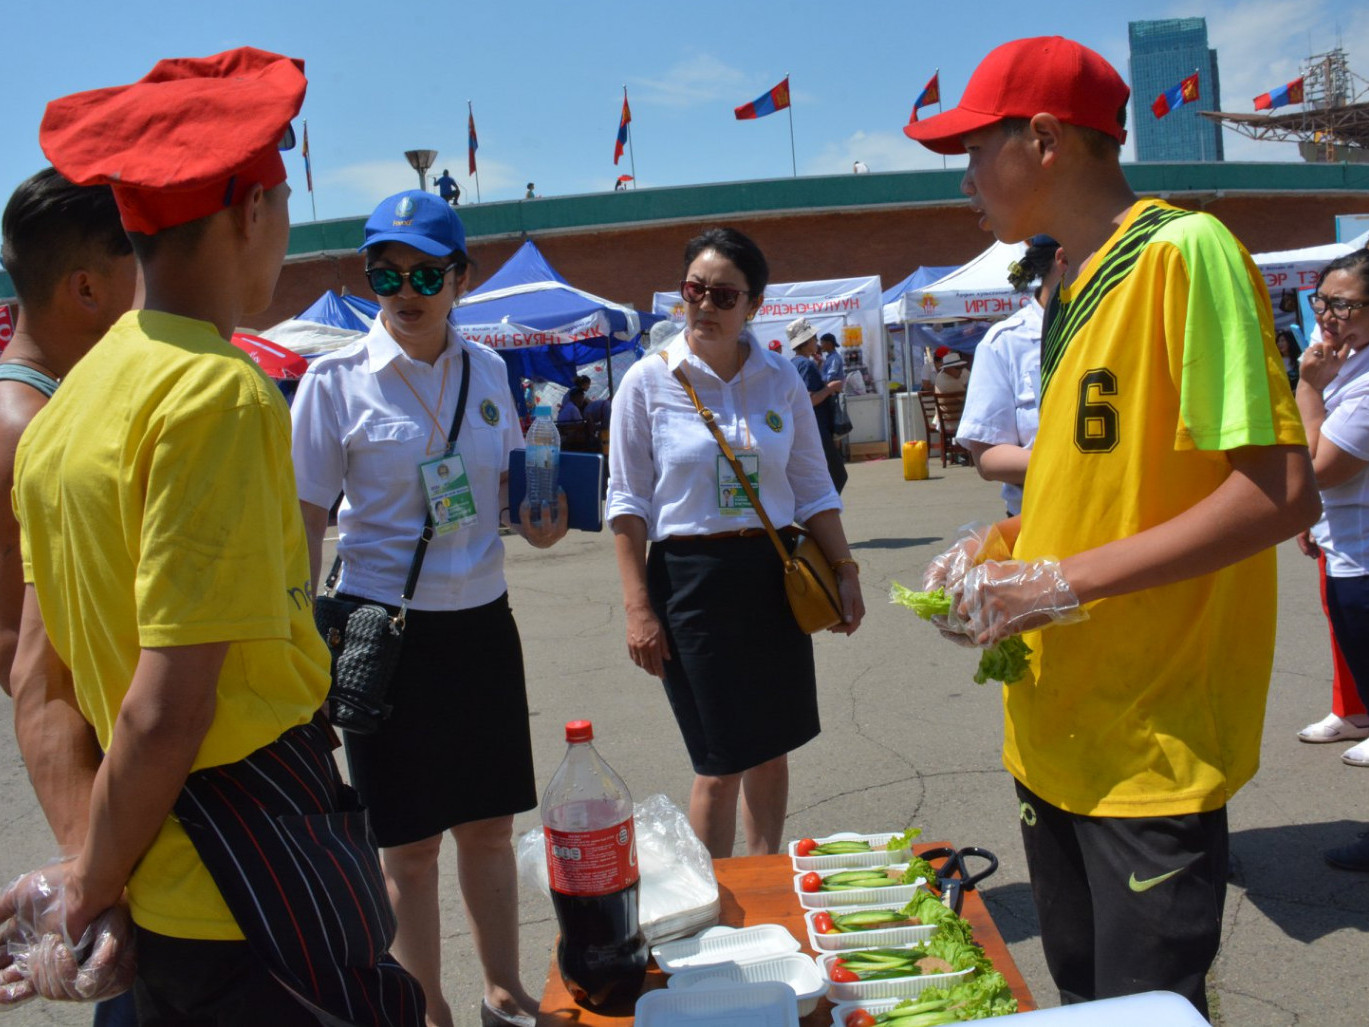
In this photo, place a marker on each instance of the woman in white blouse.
(372, 421)
(706, 610)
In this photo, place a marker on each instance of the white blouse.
(663, 460)
(1343, 531)
(365, 418)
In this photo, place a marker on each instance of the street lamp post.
(421, 161)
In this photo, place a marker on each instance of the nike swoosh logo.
(1150, 882)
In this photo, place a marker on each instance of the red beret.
(188, 139)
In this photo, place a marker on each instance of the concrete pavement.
(909, 739)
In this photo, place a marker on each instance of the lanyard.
(436, 430)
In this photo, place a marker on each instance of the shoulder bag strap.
(425, 536)
(746, 485)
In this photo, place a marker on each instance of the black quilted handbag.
(364, 641)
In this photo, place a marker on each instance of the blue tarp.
(341, 312)
(918, 280)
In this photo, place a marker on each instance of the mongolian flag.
(1171, 99)
(767, 103)
(623, 122)
(1281, 97)
(931, 93)
(308, 167)
(471, 143)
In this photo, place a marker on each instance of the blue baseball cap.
(418, 219)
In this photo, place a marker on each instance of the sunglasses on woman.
(427, 281)
(724, 296)
(1340, 309)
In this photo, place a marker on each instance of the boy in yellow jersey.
(164, 553)
(1170, 458)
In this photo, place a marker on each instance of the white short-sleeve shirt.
(1002, 401)
(365, 418)
(663, 460)
(1343, 531)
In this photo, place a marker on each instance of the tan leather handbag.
(809, 580)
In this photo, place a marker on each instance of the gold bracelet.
(844, 561)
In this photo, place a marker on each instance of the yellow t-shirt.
(157, 499)
(1156, 360)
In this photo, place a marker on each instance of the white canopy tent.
(1298, 269)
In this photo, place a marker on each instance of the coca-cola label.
(592, 862)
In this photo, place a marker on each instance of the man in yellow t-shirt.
(1170, 459)
(164, 550)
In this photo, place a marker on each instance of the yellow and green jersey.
(1156, 360)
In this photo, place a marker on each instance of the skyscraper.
(1163, 54)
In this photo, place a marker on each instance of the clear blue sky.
(546, 78)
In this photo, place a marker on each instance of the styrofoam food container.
(794, 969)
(892, 987)
(873, 1006)
(723, 945)
(894, 895)
(883, 938)
(877, 856)
(766, 1004)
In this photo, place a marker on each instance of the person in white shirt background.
(706, 608)
(998, 424)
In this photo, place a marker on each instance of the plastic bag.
(679, 894)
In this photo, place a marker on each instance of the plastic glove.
(974, 544)
(40, 959)
(1006, 598)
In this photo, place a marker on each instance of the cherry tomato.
(860, 1018)
(841, 975)
(805, 846)
(810, 881)
(822, 923)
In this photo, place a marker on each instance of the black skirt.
(457, 747)
(740, 679)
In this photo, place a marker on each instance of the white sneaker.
(1332, 728)
(1357, 756)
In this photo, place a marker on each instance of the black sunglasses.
(724, 296)
(1341, 309)
(427, 281)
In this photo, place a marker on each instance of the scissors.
(953, 877)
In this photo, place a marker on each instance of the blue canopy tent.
(542, 325)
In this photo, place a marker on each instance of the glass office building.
(1163, 54)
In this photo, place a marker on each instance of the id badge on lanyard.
(732, 498)
(447, 492)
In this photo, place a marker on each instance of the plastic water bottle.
(592, 870)
(542, 461)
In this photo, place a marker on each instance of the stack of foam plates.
(732, 1005)
(724, 945)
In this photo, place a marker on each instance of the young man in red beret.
(165, 553)
(1170, 459)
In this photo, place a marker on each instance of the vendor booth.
(850, 309)
(548, 330)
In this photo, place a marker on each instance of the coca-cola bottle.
(592, 869)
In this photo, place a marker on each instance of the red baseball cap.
(188, 139)
(1041, 75)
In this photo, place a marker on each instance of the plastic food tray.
(878, 856)
(894, 895)
(883, 938)
(723, 945)
(893, 987)
(731, 1005)
(794, 969)
(873, 1006)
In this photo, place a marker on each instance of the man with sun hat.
(163, 547)
(1170, 459)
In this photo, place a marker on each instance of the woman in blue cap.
(374, 421)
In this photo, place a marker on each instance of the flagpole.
(313, 206)
(793, 160)
(470, 111)
(632, 159)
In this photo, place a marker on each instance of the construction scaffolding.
(1333, 125)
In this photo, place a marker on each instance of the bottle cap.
(541, 411)
(579, 731)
